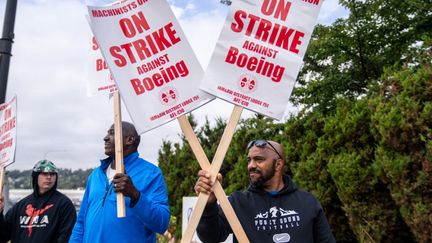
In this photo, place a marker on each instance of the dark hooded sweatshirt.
(39, 218)
(290, 215)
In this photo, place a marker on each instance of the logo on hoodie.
(33, 218)
(277, 219)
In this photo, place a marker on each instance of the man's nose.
(251, 164)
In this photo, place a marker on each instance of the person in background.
(46, 215)
(272, 209)
(143, 186)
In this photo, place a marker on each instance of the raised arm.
(213, 226)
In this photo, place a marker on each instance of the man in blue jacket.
(271, 210)
(146, 199)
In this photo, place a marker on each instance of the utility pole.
(6, 46)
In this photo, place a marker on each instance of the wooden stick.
(205, 165)
(193, 142)
(214, 170)
(225, 141)
(118, 134)
(2, 176)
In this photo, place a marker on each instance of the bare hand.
(205, 185)
(123, 183)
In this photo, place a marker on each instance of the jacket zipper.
(106, 189)
(106, 193)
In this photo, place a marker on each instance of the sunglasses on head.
(260, 143)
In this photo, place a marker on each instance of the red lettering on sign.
(137, 24)
(101, 65)
(261, 66)
(7, 126)
(267, 31)
(95, 45)
(278, 8)
(8, 114)
(165, 75)
(113, 12)
(316, 2)
(152, 44)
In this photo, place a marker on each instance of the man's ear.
(280, 165)
(129, 140)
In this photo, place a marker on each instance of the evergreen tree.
(402, 122)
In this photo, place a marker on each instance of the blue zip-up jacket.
(97, 218)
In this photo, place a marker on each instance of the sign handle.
(2, 176)
(214, 170)
(118, 135)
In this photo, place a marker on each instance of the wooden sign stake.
(118, 135)
(213, 170)
(2, 176)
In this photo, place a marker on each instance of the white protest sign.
(8, 122)
(151, 60)
(99, 78)
(187, 208)
(259, 53)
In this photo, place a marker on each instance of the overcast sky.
(56, 118)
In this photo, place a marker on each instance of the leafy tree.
(308, 164)
(344, 58)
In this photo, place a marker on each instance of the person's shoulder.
(304, 193)
(147, 164)
(143, 169)
(62, 197)
(25, 200)
(307, 197)
(60, 194)
(94, 171)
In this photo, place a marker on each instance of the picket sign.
(2, 176)
(8, 119)
(158, 77)
(118, 136)
(255, 65)
(213, 170)
(100, 81)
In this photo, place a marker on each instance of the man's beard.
(259, 183)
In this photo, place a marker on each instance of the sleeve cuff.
(132, 204)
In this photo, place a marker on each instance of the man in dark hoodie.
(272, 209)
(46, 215)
